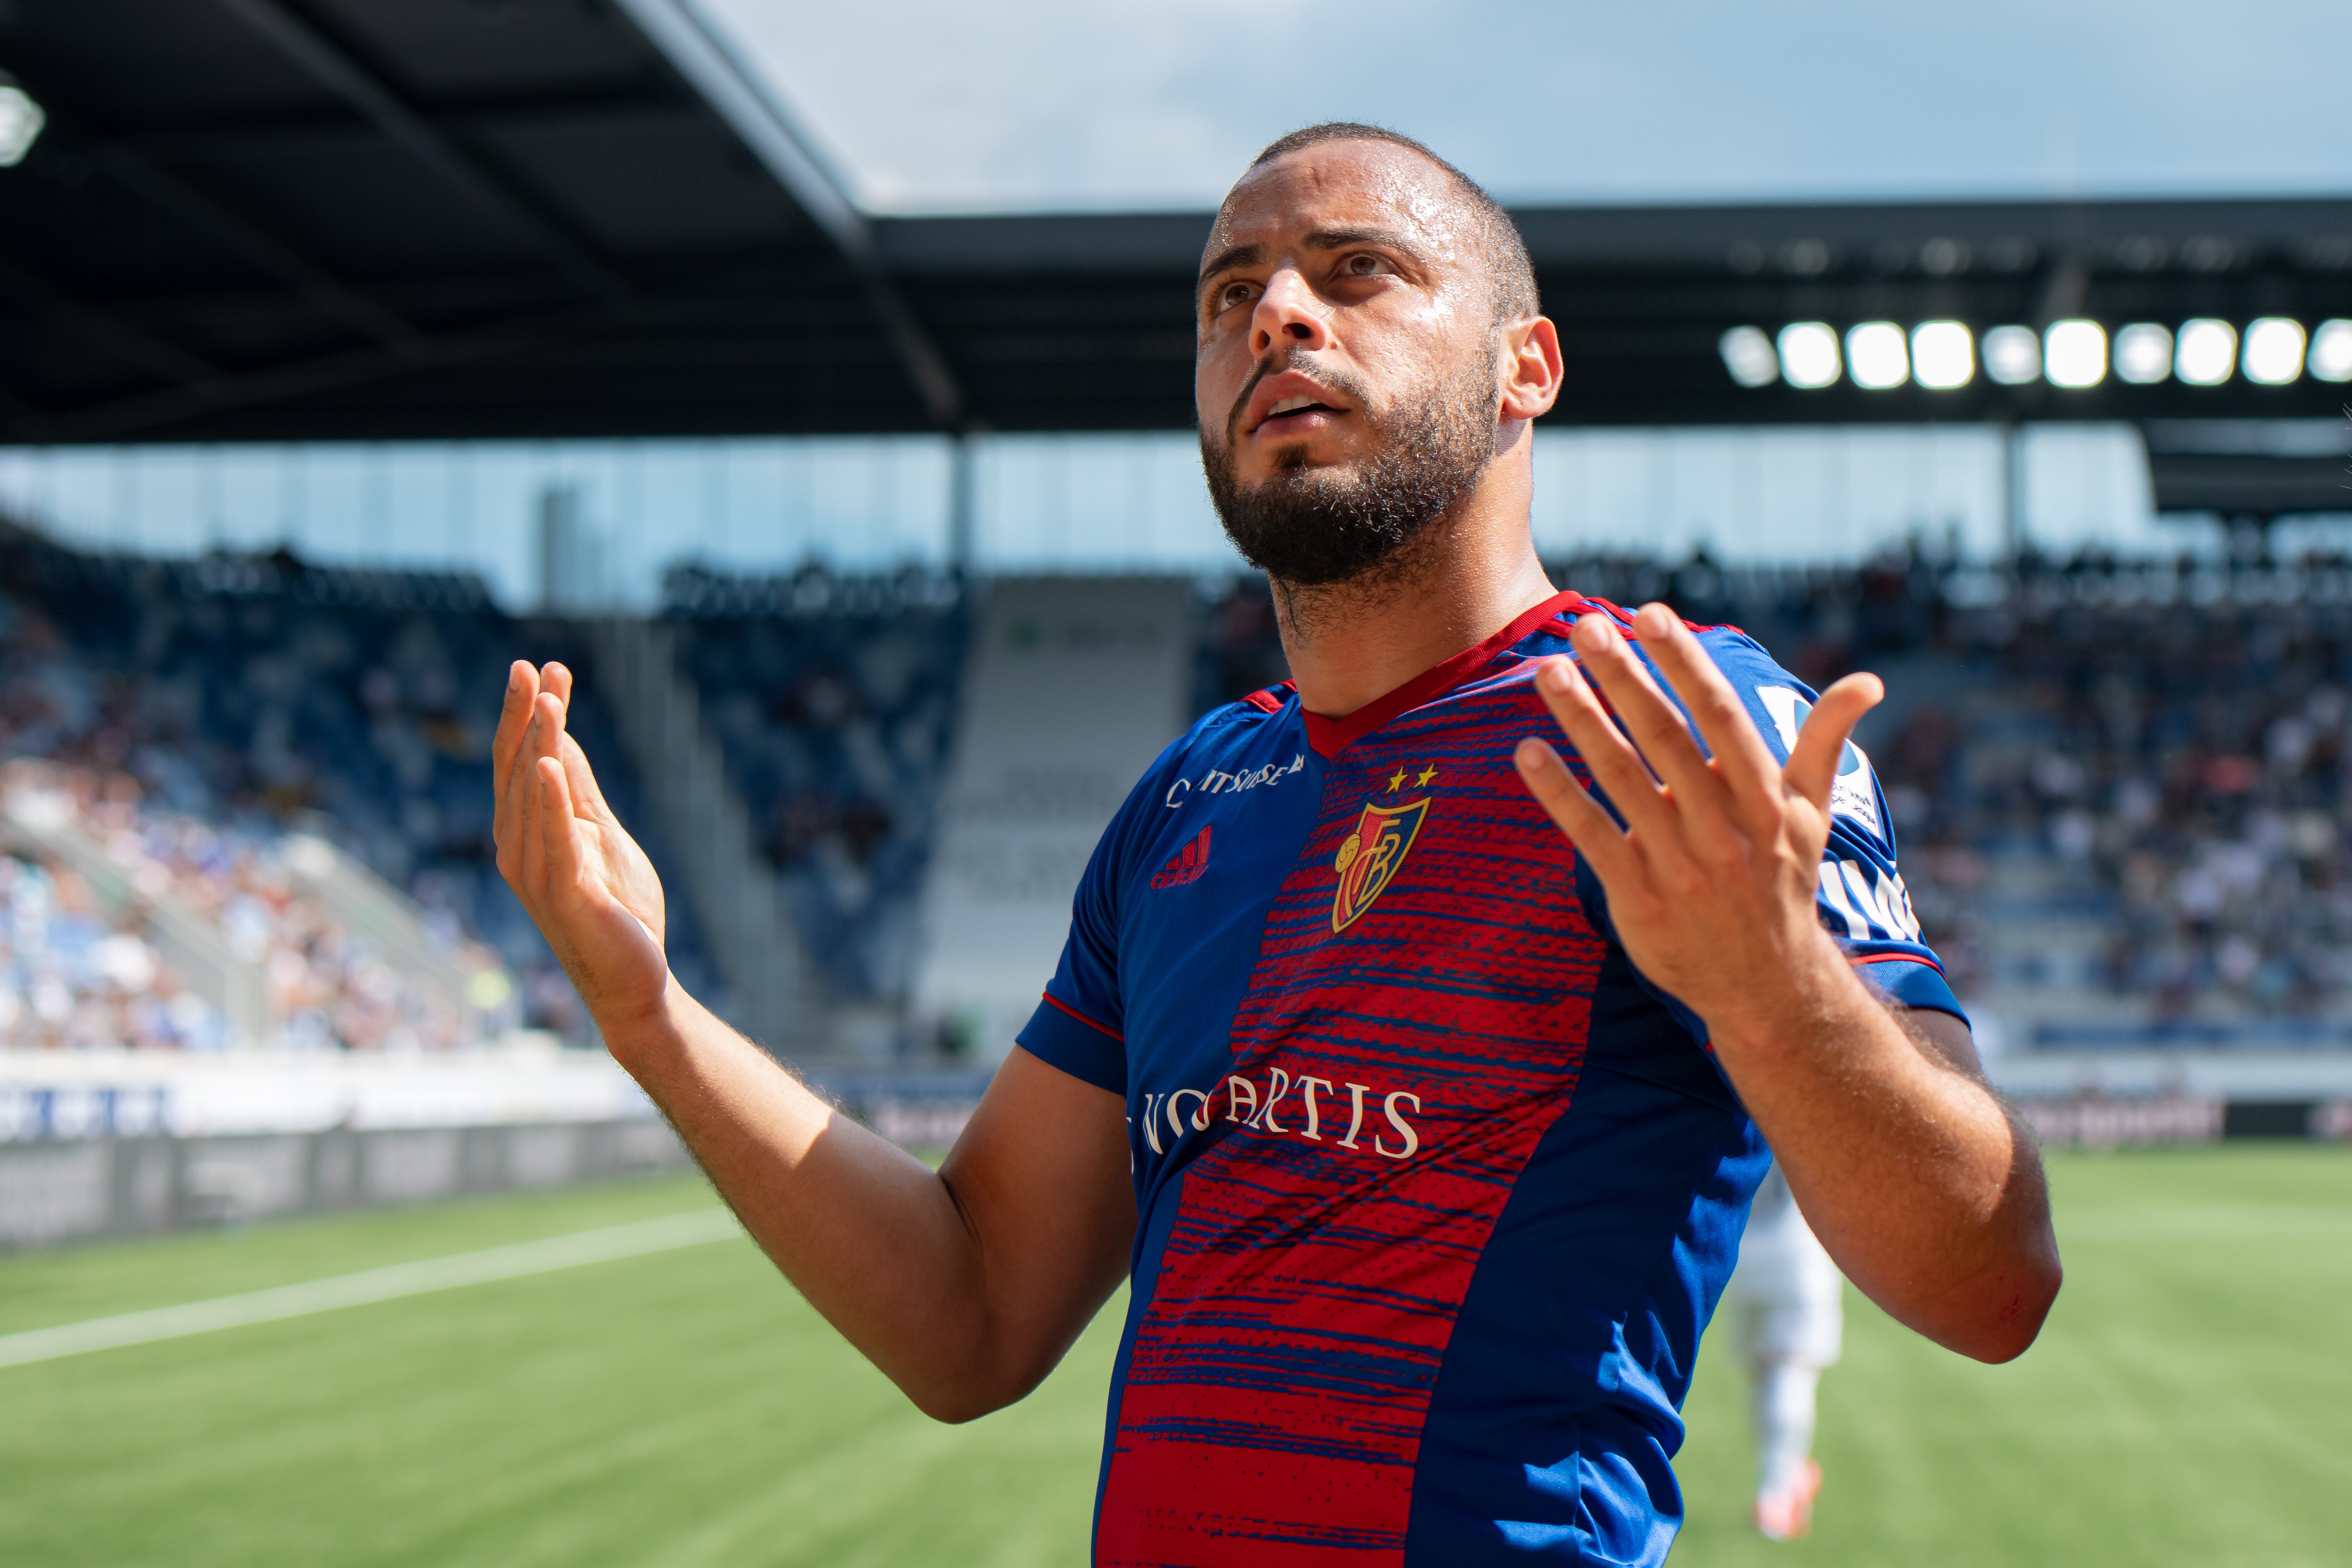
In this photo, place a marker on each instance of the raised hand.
(1711, 879)
(582, 879)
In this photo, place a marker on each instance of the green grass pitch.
(2190, 1403)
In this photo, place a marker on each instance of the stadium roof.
(292, 219)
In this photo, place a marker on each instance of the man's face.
(1346, 377)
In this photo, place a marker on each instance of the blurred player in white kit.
(1788, 1323)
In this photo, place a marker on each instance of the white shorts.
(1786, 1298)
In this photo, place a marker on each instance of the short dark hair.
(1505, 253)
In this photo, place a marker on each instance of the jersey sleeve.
(1859, 893)
(1080, 1025)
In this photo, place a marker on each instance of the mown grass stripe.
(605, 1245)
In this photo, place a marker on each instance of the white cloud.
(936, 104)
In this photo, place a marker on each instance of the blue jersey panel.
(1553, 1422)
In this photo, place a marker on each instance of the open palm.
(584, 881)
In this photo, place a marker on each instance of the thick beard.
(1309, 528)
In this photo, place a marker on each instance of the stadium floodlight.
(1876, 355)
(2143, 353)
(2075, 353)
(2013, 355)
(2274, 355)
(20, 122)
(1748, 355)
(1808, 354)
(1943, 355)
(2205, 351)
(2331, 351)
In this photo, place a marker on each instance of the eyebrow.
(1320, 240)
(1237, 256)
(1338, 238)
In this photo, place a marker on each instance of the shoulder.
(1219, 726)
(1571, 607)
(1778, 699)
(1743, 659)
(1213, 733)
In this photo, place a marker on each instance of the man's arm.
(964, 1286)
(1925, 1190)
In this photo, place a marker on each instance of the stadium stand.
(86, 976)
(194, 713)
(2126, 787)
(73, 976)
(2117, 784)
(834, 699)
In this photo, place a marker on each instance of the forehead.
(1341, 185)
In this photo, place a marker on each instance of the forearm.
(869, 1234)
(1904, 1161)
(964, 1286)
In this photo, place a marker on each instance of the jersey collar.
(1330, 737)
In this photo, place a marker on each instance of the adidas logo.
(1187, 867)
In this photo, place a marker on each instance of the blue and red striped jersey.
(1436, 1190)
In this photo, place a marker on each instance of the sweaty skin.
(1351, 253)
(966, 1286)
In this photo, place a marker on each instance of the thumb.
(1813, 760)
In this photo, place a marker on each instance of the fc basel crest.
(1369, 856)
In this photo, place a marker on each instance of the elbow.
(956, 1400)
(2012, 1320)
(974, 1368)
(953, 1407)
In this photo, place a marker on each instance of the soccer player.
(1787, 1323)
(1415, 1074)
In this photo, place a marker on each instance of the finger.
(1750, 772)
(520, 857)
(511, 800)
(1593, 831)
(514, 718)
(547, 735)
(542, 738)
(1658, 727)
(557, 678)
(587, 795)
(1821, 745)
(1608, 755)
(559, 837)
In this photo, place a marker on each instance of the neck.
(1466, 578)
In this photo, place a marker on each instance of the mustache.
(1296, 359)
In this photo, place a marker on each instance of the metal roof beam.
(699, 55)
(334, 69)
(168, 192)
(711, 68)
(263, 137)
(333, 297)
(130, 415)
(127, 340)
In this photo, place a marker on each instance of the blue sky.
(931, 105)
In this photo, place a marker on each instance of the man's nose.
(1288, 316)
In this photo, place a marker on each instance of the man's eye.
(1234, 294)
(1363, 266)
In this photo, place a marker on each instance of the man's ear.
(1531, 369)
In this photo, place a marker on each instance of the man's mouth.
(1295, 414)
(1290, 404)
